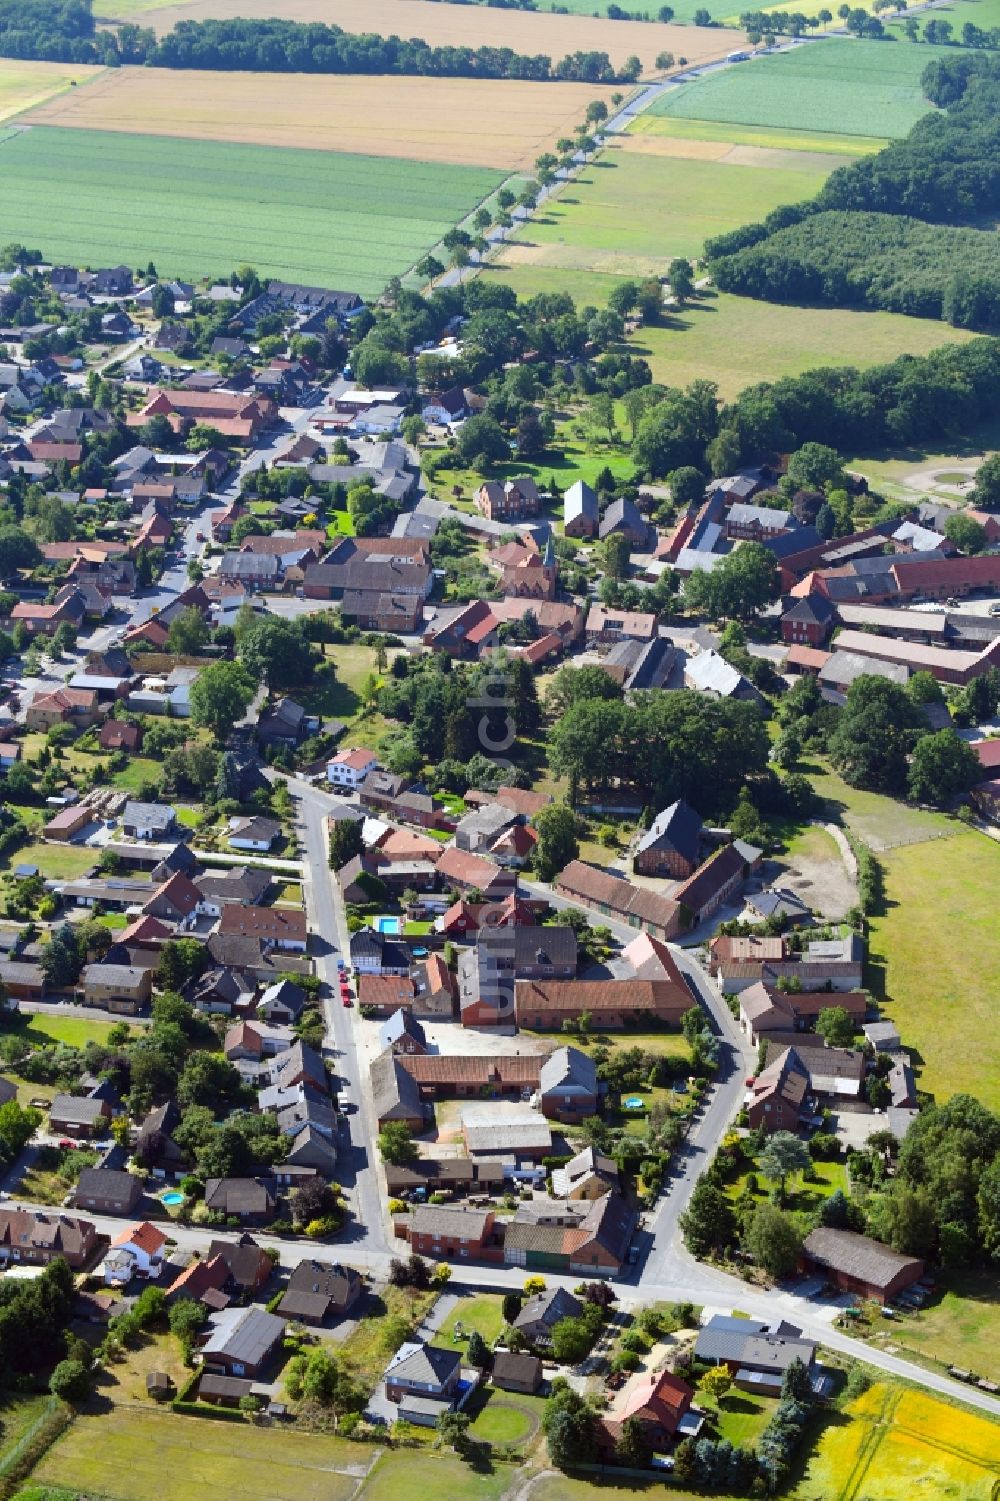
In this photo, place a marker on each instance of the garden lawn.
(934, 961)
(902, 1444)
(841, 85)
(738, 341)
(417, 1475)
(40, 1027)
(131, 1455)
(961, 1328)
(805, 1197)
(54, 861)
(484, 1314)
(136, 771)
(741, 1417)
(199, 208)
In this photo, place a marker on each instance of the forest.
(870, 260)
(884, 231)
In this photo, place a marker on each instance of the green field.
(199, 208)
(631, 213)
(484, 1314)
(41, 1027)
(935, 956)
(54, 861)
(131, 1455)
(416, 1475)
(841, 85)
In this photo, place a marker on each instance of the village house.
(764, 1010)
(320, 1290)
(592, 1239)
(588, 1175)
(34, 1238)
(107, 1191)
(78, 1116)
(443, 1232)
(543, 1311)
(713, 883)
(136, 1252)
(606, 626)
(615, 897)
(657, 1401)
(510, 500)
(422, 1381)
(349, 768)
(78, 707)
(242, 1342)
(282, 927)
(122, 988)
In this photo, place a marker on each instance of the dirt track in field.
(464, 121)
(443, 24)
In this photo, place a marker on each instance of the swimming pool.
(634, 1102)
(388, 924)
(173, 1198)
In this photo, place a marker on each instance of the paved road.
(357, 1169)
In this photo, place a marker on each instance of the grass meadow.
(129, 1455)
(737, 341)
(199, 208)
(631, 211)
(782, 138)
(841, 85)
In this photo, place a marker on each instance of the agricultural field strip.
(495, 123)
(531, 32)
(189, 208)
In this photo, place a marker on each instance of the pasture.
(23, 84)
(901, 1443)
(449, 25)
(633, 209)
(840, 85)
(737, 341)
(497, 123)
(199, 208)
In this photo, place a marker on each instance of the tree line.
(879, 233)
(64, 31)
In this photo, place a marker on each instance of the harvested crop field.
(447, 25)
(199, 208)
(836, 84)
(23, 85)
(461, 121)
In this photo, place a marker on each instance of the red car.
(346, 998)
(66, 1145)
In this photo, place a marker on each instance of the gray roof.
(284, 993)
(856, 1255)
(79, 1109)
(158, 818)
(554, 945)
(244, 1334)
(119, 976)
(328, 1280)
(450, 1221)
(395, 1092)
(103, 1182)
(239, 1195)
(723, 1337)
(677, 827)
(427, 1365)
(565, 1067)
(548, 1308)
(844, 667)
(401, 1024)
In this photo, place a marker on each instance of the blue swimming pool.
(634, 1102)
(388, 924)
(173, 1198)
